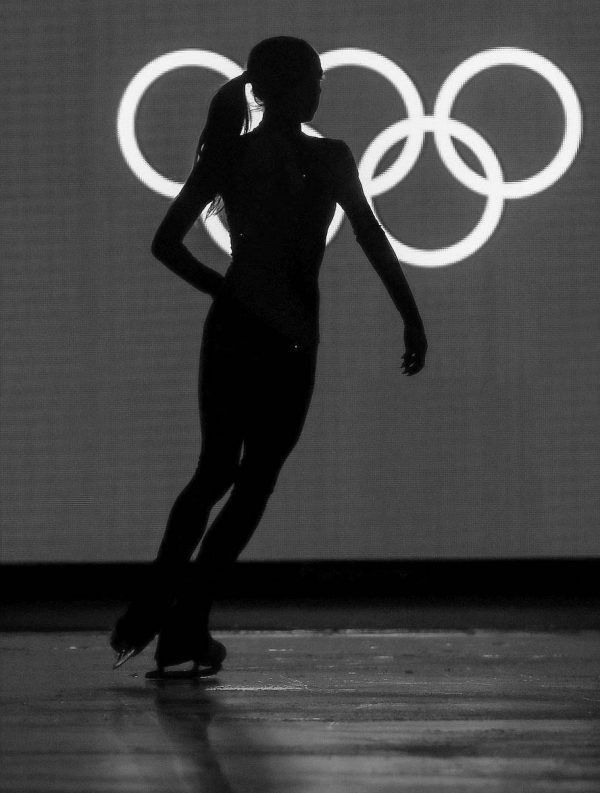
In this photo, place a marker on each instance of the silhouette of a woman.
(259, 348)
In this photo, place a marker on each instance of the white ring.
(495, 201)
(133, 95)
(510, 56)
(353, 56)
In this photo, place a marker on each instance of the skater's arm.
(372, 239)
(167, 245)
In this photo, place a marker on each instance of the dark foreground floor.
(410, 612)
(291, 711)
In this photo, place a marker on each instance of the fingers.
(415, 344)
(412, 363)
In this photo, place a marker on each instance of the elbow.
(158, 247)
(155, 248)
(164, 245)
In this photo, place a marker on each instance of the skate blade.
(182, 674)
(124, 656)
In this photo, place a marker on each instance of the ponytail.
(228, 116)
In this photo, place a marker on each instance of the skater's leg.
(221, 424)
(221, 429)
(189, 514)
(278, 410)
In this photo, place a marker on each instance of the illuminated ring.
(126, 123)
(353, 56)
(494, 179)
(510, 56)
(399, 79)
(132, 96)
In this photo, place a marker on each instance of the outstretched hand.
(415, 343)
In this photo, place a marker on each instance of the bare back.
(279, 199)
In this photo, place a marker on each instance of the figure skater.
(258, 354)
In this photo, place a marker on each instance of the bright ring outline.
(510, 56)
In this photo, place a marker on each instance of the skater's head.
(285, 74)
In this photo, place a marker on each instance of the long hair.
(274, 65)
(228, 116)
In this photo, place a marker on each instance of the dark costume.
(259, 348)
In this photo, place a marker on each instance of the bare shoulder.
(334, 147)
(335, 155)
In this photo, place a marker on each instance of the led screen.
(474, 126)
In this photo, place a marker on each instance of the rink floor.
(307, 710)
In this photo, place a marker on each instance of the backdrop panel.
(490, 452)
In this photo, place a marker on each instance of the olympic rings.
(413, 128)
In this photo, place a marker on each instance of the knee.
(214, 476)
(257, 477)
